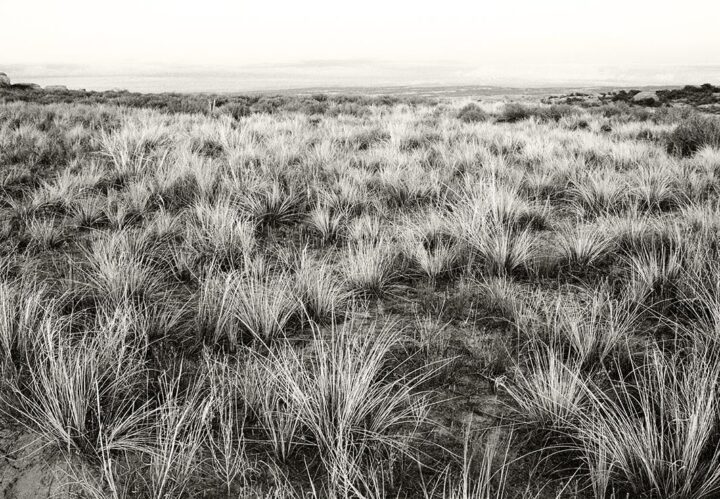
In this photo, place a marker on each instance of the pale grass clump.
(584, 246)
(548, 391)
(655, 189)
(59, 193)
(655, 272)
(502, 296)
(435, 258)
(136, 149)
(272, 205)
(178, 436)
(482, 202)
(83, 394)
(88, 212)
(138, 198)
(636, 232)
(23, 307)
(352, 407)
(42, 234)
(406, 185)
(598, 194)
(369, 266)
(503, 250)
(117, 269)
(483, 474)
(327, 222)
(189, 179)
(654, 433)
(219, 233)
(428, 243)
(497, 225)
(702, 218)
(118, 214)
(365, 228)
(594, 324)
(215, 319)
(349, 193)
(245, 306)
(320, 289)
(265, 304)
(708, 157)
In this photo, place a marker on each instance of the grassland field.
(358, 297)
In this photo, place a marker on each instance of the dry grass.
(217, 303)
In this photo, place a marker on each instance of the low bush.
(693, 134)
(472, 113)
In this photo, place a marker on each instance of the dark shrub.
(365, 139)
(314, 108)
(236, 110)
(208, 147)
(580, 125)
(558, 111)
(472, 113)
(694, 133)
(515, 112)
(349, 109)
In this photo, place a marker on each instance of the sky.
(435, 41)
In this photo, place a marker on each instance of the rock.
(56, 88)
(646, 98)
(4, 80)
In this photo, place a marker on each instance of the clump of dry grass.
(117, 269)
(428, 243)
(497, 225)
(582, 247)
(320, 289)
(352, 407)
(83, 394)
(220, 234)
(245, 306)
(369, 266)
(654, 432)
(548, 390)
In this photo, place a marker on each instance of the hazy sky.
(507, 35)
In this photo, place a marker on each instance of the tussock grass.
(369, 267)
(352, 407)
(272, 205)
(238, 307)
(598, 194)
(655, 433)
(83, 395)
(430, 246)
(116, 269)
(320, 289)
(594, 327)
(481, 476)
(584, 246)
(549, 391)
(327, 222)
(219, 233)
